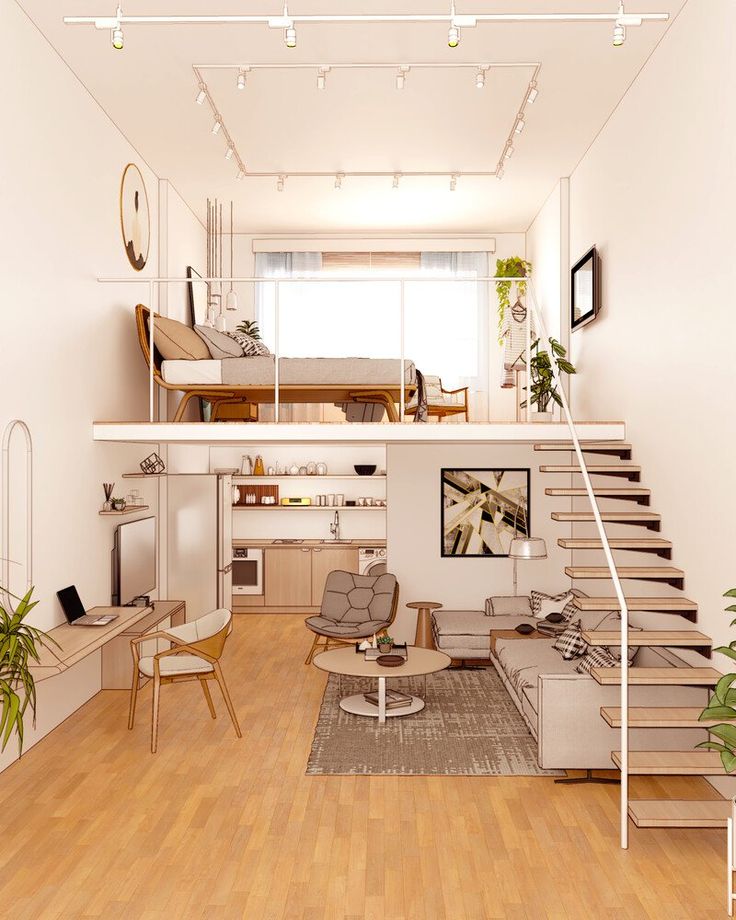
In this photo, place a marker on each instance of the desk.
(77, 642)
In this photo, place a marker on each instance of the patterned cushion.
(571, 643)
(567, 610)
(252, 348)
(596, 657)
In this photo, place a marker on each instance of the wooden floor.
(94, 825)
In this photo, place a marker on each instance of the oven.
(247, 570)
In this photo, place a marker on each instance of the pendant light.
(231, 300)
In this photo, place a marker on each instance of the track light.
(480, 78)
(533, 92)
(240, 175)
(453, 182)
(619, 29)
(499, 172)
(338, 180)
(280, 183)
(241, 79)
(453, 37)
(509, 151)
(322, 77)
(290, 37)
(217, 125)
(202, 94)
(396, 180)
(116, 33)
(520, 123)
(401, 77)
(229, 153)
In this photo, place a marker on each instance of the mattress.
(259, 371)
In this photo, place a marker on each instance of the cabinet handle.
(305, 549)
(316, 550)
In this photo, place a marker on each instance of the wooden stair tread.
(585, 445)
(646, 572)
(602, 491)
(650, 638)
(659, 677)
(662, 548)
(611, 516)
(656, 717)
(672, 763)
(655, 604)
(602, 468)
(679, 813)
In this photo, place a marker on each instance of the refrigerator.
(200, 541)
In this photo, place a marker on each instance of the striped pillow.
(252, 348)
(570, 643)
(596, 657)
(567, 611)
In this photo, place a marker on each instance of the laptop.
(74, 611)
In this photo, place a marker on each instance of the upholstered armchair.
(194, 654)
(354, 607)
(441, 402)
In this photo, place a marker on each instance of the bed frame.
(219, 395)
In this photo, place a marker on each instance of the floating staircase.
(643, 813)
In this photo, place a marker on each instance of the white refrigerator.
(200, 541)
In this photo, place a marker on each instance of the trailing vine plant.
(722, 707)
(513, 268)
(543, 387)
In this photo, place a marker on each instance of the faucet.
(335, 527)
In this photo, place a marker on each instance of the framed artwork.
(483, 510)
(584, 290)
(197, 297)
(135, 219)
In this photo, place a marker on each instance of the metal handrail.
(542, 333)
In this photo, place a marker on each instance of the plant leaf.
(725, 731)
(712, 746)
(730, 593)
(723, 686)
(727, 651)
(712, 713)
(728, 759)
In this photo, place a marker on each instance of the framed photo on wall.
(483, 510)
(585, 289)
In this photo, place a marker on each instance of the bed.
(251, 380)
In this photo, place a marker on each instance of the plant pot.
(385, 647)
(543, 416)
(119, 505)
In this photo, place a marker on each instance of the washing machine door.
(376, 568)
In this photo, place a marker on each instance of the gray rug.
(469, 727)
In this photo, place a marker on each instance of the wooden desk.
(77, 642)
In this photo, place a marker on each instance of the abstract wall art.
(135, 221)
(483, 510)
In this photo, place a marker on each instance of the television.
(133, 561)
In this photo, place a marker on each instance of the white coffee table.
(421, 661)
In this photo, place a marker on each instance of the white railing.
(730, 858)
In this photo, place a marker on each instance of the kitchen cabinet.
(327, 559)
(288, 577)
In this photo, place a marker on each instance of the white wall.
(543, 244)
(414, 530)
(69, 351)
(657, 193)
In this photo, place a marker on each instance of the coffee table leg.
(381, 699)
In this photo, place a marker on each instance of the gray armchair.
(354, 607)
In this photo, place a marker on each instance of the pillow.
(551, 605)
(508, 606)
(570, 643)
(220, 344)
(175, 341)
(596, 657)
(568, 609)
(599, 619)
(615, 650)
(252, 348)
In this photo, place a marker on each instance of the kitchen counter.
(273, 544)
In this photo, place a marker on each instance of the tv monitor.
(133, 561)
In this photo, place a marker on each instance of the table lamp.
(526, 548)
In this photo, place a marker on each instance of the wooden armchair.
(194, 655)
(441, 402)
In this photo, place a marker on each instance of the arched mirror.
(16, 553)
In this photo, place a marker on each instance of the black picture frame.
(451, 546)
(585, 289)
(197, 298)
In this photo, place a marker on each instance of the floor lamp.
(526, 548)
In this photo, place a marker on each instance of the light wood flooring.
(95, 826)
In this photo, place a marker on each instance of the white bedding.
(187, 373)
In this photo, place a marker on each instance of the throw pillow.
(568, 609)
(508, 606)
(600, 619)
(220, 344)
(252, 348)
(175, 341)
(596, 657)
(570, 643)
(552, 605)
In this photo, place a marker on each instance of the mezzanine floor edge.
(342, 433)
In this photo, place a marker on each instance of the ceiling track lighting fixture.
(240, 83)
(338, 180)
(520, 123)
(202, 94)
(240, 175)
(453, 182)
(397, 177)
(508, 152)
(499, 172)
(533, 92)
(401, 76)
(480, 78)
(217, 124)
(280, 183)
(116, 34)
(322, 77)
(229, 152)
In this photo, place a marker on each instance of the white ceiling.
(282, 122)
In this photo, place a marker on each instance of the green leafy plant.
(544, 389)
(19, 646)
(249, 327)
(385, 640)
(722, 706)
(512, 268)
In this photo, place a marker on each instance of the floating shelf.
(309, 508)
(131, 510)
(312, 478)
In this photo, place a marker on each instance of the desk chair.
(194, 655)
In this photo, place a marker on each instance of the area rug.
(469, 727)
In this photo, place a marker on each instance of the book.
(395, 699)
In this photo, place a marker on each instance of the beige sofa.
(561, 708)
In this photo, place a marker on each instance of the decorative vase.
(107, 506)
(321, 469)
(293, 470)
(258, 469)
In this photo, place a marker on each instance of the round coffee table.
(346, 661)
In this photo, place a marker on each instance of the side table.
(423, 638)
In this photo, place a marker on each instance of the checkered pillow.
(567, 611)
(570, 643)
(596, 657)
(252, 348)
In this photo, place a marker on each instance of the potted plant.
(118, 504)
(249, 327)
(385, 644)
(543, 387)
(722, 707)
(514, 268)
(19, 646)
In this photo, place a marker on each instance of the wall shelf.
(309, 508)
(314, 478)
(131, 510)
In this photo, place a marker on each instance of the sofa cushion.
(567, 610)
(175, 341)
(570, 644)
(516, 606)
(596, 657)
(454, 630)
(523, 660)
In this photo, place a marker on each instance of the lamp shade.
(528, 548)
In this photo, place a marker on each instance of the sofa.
(560, 706)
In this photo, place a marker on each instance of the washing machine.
(372, 560)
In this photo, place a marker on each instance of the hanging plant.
(512, 268)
